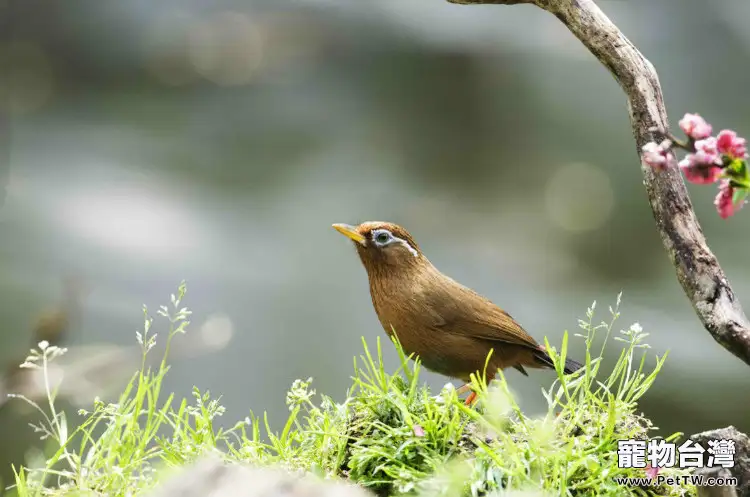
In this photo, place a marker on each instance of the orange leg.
(472, 395)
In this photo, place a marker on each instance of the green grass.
(391, 434)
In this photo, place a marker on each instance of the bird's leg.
(472, 395)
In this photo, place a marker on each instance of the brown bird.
(449, 326)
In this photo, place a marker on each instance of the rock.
(212, 477)
(741, 469)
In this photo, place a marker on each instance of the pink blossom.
(707, 152)
(651, 472)
(659, 155)
(418, 431)
(698, 171)
(724, 201)
(732, 145)
(702, 166)
(695, 126)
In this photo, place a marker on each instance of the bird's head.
(383, 246)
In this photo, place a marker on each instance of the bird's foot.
(471, 398)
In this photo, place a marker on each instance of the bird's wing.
(462, 311)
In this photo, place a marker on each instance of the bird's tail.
(571, 366)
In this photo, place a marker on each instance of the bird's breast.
(396, 302)
(403, 311)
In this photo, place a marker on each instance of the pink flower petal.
(418, 431)
(700, 174)
(724, 140)
(724, 203)
(728, 143)
(695, 126)
(656, 155)
(706, 151)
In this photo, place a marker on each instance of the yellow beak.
(350, 232)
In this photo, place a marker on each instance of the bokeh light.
(217, 331)
(130, 218)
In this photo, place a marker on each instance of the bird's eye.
(382, 237)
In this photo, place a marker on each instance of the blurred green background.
(150, 142)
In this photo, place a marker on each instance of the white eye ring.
(382, 237)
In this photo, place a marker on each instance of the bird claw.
(471, 398)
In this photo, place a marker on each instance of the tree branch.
(697, 268)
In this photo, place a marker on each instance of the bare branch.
(697, 268)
